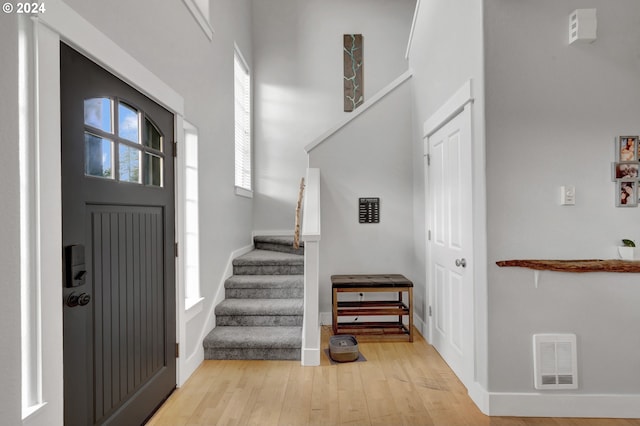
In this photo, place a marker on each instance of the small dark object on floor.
(343, 348)
(361, 358)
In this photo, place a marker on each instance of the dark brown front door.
(118, 239)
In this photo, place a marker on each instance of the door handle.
(75, 299)
(461, 262)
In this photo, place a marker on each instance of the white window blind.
(191, 217)
(242, 95)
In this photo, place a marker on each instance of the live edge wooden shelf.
(580, 265)
(374, 330)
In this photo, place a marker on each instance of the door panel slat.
(125, 365)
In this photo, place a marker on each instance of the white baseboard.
(191, 364)
(310, 357)
(420, 325)
(533, 404)
(326, 318)
(479, 396)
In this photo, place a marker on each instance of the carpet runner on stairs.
(261, 316)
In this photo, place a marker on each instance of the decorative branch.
(353, 66)
(296, 232)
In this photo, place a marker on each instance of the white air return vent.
(555, 361)
(583, 26)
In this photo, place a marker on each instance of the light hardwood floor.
(399, 384)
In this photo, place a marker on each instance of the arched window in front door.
(122, 143)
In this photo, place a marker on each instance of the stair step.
(264, 286)
(281, 243)
(267, 262)
(277, 343)
(259, 312)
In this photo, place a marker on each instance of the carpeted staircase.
(261, 316)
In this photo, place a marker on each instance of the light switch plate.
(567, 195)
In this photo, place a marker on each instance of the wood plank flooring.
(401, 383)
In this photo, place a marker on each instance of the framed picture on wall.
(627, 194)
(626, 171)
(627, 148)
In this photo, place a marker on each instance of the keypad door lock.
(74, 268)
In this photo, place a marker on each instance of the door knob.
(84, 299)
(75, 299)
(461, 262)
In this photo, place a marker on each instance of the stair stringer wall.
(195, 357)
(368, 157)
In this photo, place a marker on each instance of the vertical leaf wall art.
(353, 81)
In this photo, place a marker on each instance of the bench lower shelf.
(378, 330)
(374, 330)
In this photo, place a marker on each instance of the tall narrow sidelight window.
(242, 95)
(191, 216)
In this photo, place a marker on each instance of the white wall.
(552, 113)
(10, 365)
(370, 157)
(447, 51)
(298, 69)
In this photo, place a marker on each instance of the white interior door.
(451, 263)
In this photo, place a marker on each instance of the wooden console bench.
(376, 330)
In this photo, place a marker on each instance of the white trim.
(420, 325)
(564, 405)
(29, 415)
(192, 307)
(243, 122)
(479, 396)
(449, 112)
(192, 362)
(49, 215)
(44, 213)
(243, 61)
(452, 107)
(311, 210)
(413, 28)
(311, 356)
(30, 300)
(311, 335)
(326, 318)
(365, 106)
(202, 20)
(243, 192)
(181, 321)
(191, 297)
